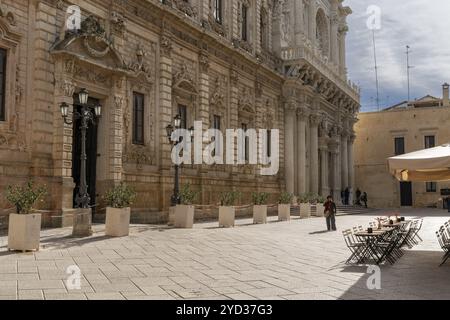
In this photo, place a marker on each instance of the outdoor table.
(394, 225)
(371, 240)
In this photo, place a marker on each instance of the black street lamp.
(86, 116)
(176, 198)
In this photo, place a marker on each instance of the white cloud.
(423, 25)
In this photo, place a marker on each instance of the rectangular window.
(246, 143)
(218, 11)
(431, 187)
(399, 146)
(3, 54)
(138, 118)
(182, 111)
(430, 142)
(269, 143)
(244, 23)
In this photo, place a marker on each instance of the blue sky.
(424, 25)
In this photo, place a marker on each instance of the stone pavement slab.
(294, 260)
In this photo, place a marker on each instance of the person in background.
(343, 197)
(330, 213)
(364, 199)
(358, 197)
(347, 196)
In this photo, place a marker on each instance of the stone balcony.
(302, 54)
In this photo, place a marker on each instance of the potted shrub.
(260, 207)
(284, 206)
(118, 211)
(305, 206)
(184, 213)
(227, 212)
(24, 230)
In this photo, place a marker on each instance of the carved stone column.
(314, 153)
(302, 114)
(324, 187)
(335, 169)
(312, 22)
(116, 132)
(334, 39)
(289, 124)
(351, 164)
(344, 161)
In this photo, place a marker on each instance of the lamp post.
(87, 117)
(176, 199)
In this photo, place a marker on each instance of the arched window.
(322, 33)
(218, 11)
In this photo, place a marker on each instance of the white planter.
(184, 216)
(320, 210)
(117, 222)
(260, 214)
(227, 216)
(305, 210)
(284, 212)
(24, 232)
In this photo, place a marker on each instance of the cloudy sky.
(424, 25)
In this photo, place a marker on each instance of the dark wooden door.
(91, 150)
(406, 194)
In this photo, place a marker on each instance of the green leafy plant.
(229, 198)
(120, 196)
(286, 198)
(188, 195)
(304, 198)
(320, 199)
(260, 198)
(25, 197)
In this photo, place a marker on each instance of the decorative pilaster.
(116, 132)
(289, 124)
(165, 96)
(351, 164)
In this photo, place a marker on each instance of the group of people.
(361, 197)
(331, 209)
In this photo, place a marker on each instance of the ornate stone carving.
(166, 45)
(203, 61)
(68, 88)
(245, 101)
(234, 76)
(139, 155)
(185, 7)
(119, 101)
(139, 66)
(217, 97)
(118, 22)
(13, 142)
(183, 80)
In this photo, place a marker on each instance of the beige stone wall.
(171, 54)
(376, 132)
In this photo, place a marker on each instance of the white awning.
(425, 165)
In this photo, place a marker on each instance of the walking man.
(347, 196)
(330, 213)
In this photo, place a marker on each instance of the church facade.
(228, 63)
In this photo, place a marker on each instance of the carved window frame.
(137, 86)
(9, 41)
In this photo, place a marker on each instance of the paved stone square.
(281, 260)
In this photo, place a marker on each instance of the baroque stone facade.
(266, 64)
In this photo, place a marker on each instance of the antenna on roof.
(408, 67)
(376, 69)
